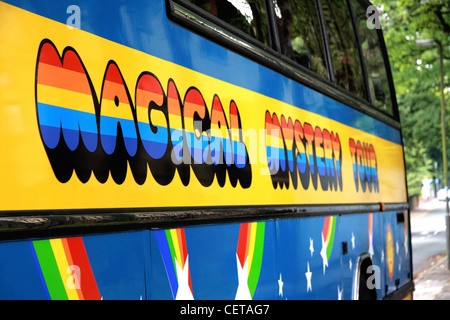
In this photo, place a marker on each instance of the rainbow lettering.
(365, 170)
(85, 134)
(297, 150)
(64, 269)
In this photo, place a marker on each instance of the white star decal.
(323, 254)
(340, 293)
(243, 292)
(311, 246)
(184, 291)
(371, 250)
(353, 241)
(308, 275)
(406, 245)
(280, 286)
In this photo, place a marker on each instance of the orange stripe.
(144, 97)
(247, 245)
(234, 121)
(112, 89)
(191, 108)
(173, 106)
(70, 261)
(63, 78)
(270, 127)
(181, 247)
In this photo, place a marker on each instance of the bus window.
(299, 33)
(343, 46)
(248, 16)
(373, 56)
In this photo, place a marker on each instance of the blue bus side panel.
(19, 278)
(212, 252)
(300, 258)
(363, 233)
(213, 262)
(117, 261)
(398, 252)
(305, 271)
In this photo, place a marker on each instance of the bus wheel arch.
(364, 279)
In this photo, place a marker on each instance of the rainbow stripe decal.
(328, 233)
(64, 269)
(249, 257)
(172, 245)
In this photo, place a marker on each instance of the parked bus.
(200, 149)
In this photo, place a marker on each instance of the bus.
(200, 149)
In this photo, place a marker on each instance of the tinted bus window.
(299, 33)
(343, 46)
(375, 64)
(248, 16)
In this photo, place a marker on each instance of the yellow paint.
(251, 251)
(176, 247)
(390, 252)
(63, 267)
(71, 100)
(28, 182)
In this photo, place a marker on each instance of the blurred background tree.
(416, 75)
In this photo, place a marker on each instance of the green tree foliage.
(416, 75)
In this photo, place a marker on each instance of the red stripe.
(325, 227)
(149, 83)
(49, 55)
(194, 96)
(242, 243)
(272, 121)
(87, 279)
(73, 62)
(233, 108)
(113, 74)
(172, 91)
(234, 116)
(182, 240)
(217, 105)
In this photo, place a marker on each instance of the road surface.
(428, 232)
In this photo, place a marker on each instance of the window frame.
(188, 15)
(395, 112)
